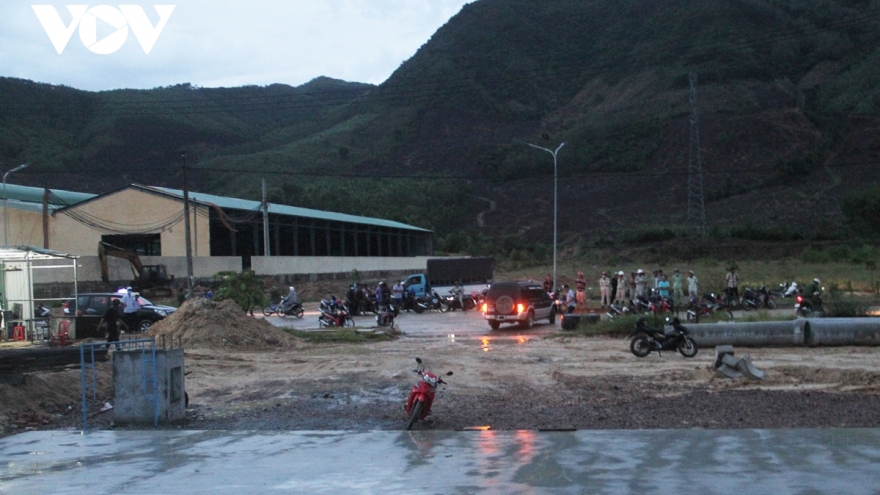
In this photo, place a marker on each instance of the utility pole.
(189, 259)
(696, 213)
(46, 215)
(265, 221)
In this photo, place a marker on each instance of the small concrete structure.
(728, 366)
(134, 386)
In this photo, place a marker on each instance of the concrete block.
(725, 371)
(748, 369)
(720, 352)
(133, 387)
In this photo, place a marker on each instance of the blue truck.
(474, 273)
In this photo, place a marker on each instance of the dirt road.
(514, 380)
(543, 379)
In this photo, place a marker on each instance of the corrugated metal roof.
(35, 195)
(249, 205)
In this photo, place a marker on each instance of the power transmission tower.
(696, 215)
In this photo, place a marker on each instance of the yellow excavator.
(149, 280)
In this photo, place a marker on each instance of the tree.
(244, 288)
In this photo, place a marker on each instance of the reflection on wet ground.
(480, 461)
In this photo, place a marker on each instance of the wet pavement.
(427, 462)
(431, 324)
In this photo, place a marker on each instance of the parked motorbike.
(790, 290)
(644, 339)
(752, 299)
(335, 316)
(385, 317)
(708, 306)
(615, 310)
(452, 303)
(433, 302)
(411, 303)
(421, 398)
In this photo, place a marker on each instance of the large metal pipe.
(840, 331)
(755, 334)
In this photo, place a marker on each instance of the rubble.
(727, 366)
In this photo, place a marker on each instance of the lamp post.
(5, 201)
(555, 200)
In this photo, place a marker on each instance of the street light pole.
(555, 199)
(5, 201)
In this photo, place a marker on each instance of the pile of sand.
(204, 323)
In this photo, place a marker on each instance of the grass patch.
(344, 336)
(847, 308)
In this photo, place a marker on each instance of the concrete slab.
(424, 462)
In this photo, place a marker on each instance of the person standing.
(132, 305)
(663, 286)
(732, 286)
(112, 320)
(397, 290)
(581, 284)
(548, 284)
(693, 286)
(620, 297)
(570, 299)
(614, 282)
(677, 286)
(640, 283)
(604, 288)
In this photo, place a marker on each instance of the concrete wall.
(89, 268)
(130, 402)
(25, 227)
(283, 265)
(131, 210)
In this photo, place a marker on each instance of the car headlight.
(161, 312)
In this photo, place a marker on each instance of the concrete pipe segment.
(799, 332)
(840, 331)
(756, 334)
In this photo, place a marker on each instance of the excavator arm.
(105, 250)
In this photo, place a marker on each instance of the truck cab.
(417, 284)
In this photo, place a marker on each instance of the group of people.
(361, 297)
(618, 288)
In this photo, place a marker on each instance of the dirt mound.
(205, 323)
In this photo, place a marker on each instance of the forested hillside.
(787, 96)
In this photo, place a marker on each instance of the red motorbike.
(335, 317)
(421, 398)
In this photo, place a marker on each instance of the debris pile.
(203, 323)
(727, 366)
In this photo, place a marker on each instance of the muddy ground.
(543, 379)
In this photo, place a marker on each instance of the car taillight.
(520, 308)
(485, 308)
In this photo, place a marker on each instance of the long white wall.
(89, 268)
(284, 265)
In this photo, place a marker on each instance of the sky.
(213, 43)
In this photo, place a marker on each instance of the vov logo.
(86, 19)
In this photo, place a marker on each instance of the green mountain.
(786, 93)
